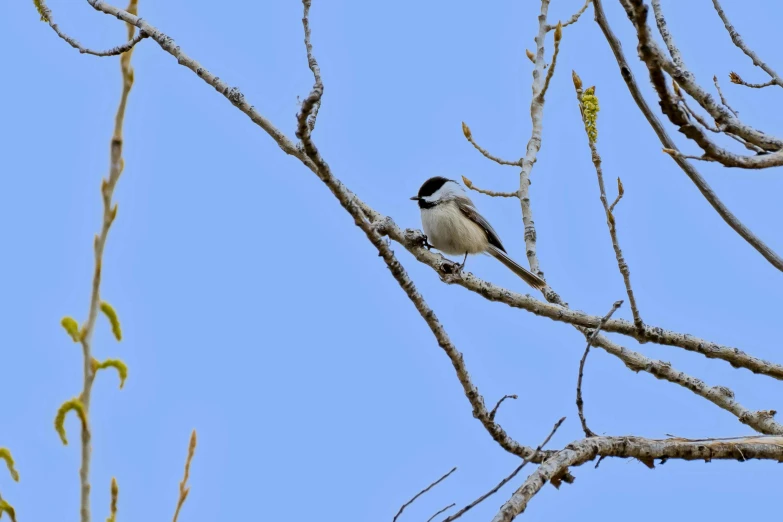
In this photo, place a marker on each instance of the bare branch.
(505, 481)
(718, 395)
(657, 63)
(495, 409)
(46, 16)
(469, 136)
(712, 128)
(723, 211)
(735, 78)
(492, 193)
(646, 450)
(678, 154)
(590, 341)
(574, 17)
(667, 37)
(722, 98)
(312, 63)
(183, 486)
(534, 143)
(620, 192)
(551, 71)
(737, 39)
(423, 491)
(441, 511)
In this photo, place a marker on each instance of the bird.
(454, 226)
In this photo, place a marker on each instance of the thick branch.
(657, 63)
(667, 142)
(577, 453)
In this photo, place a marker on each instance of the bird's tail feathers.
(526, 275)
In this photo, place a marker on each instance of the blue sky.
(254, 311)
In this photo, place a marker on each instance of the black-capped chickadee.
(454, 226)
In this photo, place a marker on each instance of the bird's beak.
(415, 198)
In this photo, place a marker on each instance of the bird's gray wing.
(470, 212)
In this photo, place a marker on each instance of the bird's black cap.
(430, 187)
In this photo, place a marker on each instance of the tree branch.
(184, 489)
(579, 452)
(722, 98)
(46, 16)
(735, 78)
(534, 143)
(423, 491)
(701, 184)
(579, 402)
(491, 193)
(495, 409)
(469, 136)
(505, 481)
(737, 39)
(574, 17)
(657, 63)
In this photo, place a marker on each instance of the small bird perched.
(454, 226)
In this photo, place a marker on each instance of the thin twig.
(712, 128)
(705, 189)
(441, 511)
(620, 193)
(735, 78)
(723, 98)
(590, 341)
(184, 489)
(678, 154)
(505, 481)
(495, 409)
(492, 193)
(737, 39)
(423, 491)
(312, 63)
(469, 136)
(551, 71)
(46, 16)
(574, 17)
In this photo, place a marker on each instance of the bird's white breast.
(451, 232)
